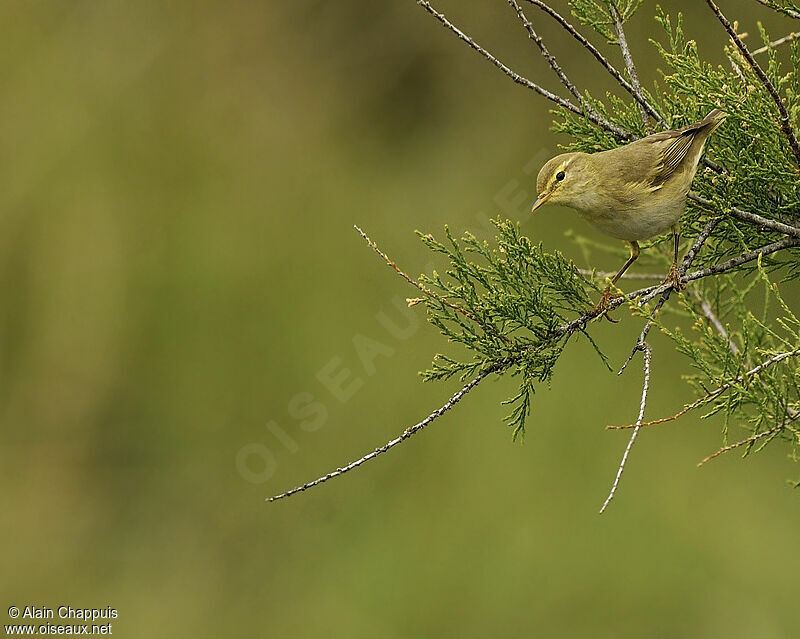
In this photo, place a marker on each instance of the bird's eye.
(560, 176)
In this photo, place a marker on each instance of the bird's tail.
(713, 119)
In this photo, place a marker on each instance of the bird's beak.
(541, 200)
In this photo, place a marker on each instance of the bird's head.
(563, 180)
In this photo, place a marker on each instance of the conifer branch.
(408, 432)
(648, 354)
(568, 328)
(759, 221)
(784, 10)
(647, 293)
(785, 123)
(424, 289)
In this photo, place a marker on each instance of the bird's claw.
(602, 305)
(674, 278)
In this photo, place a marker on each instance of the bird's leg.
(674, 274)
(602, 306)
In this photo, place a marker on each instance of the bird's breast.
(630, 221)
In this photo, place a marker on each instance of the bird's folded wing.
(676, 147)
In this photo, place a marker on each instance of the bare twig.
(408, 432)
(776, 43)
(516, 77)
(648, 354)
(537, 39)
(592, 115)
(714, 393)
(715, 321)
(744, 442)
(789, 12)
(638, 96)
(785, 123)
(629, 65)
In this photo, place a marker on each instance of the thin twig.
(715, 321)
(640, 341)
(776, 43)
(408, 432)
(738, 71)
(714, 393)
(785, 123)
(516, 77)
(648, 354)
(629, 64)
(601, 59)
(615, 130)
(744, 442)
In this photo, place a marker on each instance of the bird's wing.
(673, 147)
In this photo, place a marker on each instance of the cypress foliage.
(515, 306)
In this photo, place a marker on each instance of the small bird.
(633, 192)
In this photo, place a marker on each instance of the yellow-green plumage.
(633, 192)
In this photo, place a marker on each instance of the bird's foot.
(602, 305)
(674, 278)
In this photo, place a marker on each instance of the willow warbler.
(633, 192)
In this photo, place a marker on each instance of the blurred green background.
(180, 275)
